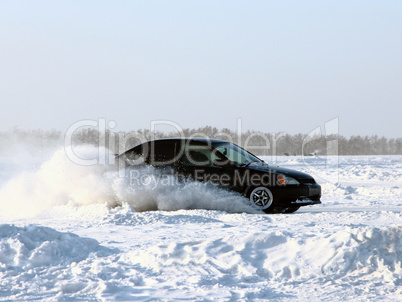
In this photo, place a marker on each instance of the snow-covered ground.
(71, 233)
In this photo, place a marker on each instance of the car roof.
(201, 140)
(192, 139)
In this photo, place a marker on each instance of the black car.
(273, 189)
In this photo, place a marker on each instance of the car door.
(205, 164)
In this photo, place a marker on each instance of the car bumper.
(297, 196)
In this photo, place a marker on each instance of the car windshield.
(236, 154)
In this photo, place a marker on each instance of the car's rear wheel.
(263, 198)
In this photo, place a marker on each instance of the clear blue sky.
(279, 65)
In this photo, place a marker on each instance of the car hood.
(279, 170)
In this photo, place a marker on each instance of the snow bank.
(372, 252)
(239, 266)
(34, 246)
(247, 266)
(35, 260)
(206, 255)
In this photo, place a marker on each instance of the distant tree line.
(257, 142)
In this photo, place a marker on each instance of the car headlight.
(286, 180)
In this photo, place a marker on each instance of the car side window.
(195, 155)
(162, 153)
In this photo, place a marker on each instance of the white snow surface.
(79, 233)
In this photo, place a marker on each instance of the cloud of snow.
(61, 182)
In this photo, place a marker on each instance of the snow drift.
(34, 246)
(233, 265)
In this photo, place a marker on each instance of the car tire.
(262, 197)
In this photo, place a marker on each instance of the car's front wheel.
(262, 197)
